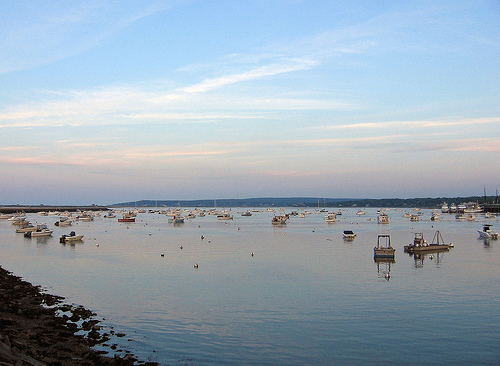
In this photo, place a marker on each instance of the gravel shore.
(39, 329)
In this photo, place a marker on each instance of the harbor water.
(296, 294)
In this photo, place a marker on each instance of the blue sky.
(112, 101)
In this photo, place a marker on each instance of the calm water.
(306, 297)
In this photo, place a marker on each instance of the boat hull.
(426, 248)
(126, 220)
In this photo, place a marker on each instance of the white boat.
(26, 228)
(383, 218)
(414, 218)
(383, 248)
(63, 222)
(486, 233)
(419, 244)
(445, 208)
(70, 238)
(176, 220)
(331, 218)
(41, 230)
(470, 217)
(361, 212)
(435, 216)
(224, 216)
(280, 220)
(348, 235)
(453, 208)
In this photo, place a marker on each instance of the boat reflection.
(434, 255)
(384, 267)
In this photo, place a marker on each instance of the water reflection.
(434, 255)
(384, 267)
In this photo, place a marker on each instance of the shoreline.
(33, 331)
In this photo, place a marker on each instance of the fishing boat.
(127, 218)
(279, 220)
(419, 244)
(224, 216)
(41, 230)
(383, 218)
(348, 235)
(63, 222)
(176, 220)
(486, 233)
(26, 228)
(331, 217)
(383, 248)
(70, 238)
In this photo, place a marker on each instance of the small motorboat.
(348, 235)
(280, 220)
(41, 230)
(70, 238)
(486, 233)
(331, 218)
(26, 228)
(384, 248)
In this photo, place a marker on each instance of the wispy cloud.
(47, 32)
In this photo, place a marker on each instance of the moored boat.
(383, 248)
(348, 235)
(383, 218)
(486, 233)
(224, 216)
(331, 217)
(420, 245)
(41, 230)
(70, 238)
(280, 220)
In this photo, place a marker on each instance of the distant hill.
(305, 202)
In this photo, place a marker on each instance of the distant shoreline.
(9, 209)
(492, 203)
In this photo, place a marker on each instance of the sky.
(111, 101)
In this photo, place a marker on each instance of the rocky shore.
(39, 329)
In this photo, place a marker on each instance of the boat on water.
(445, 208)
(383, 248)
(486, 233)
(348, 235)
(63, 222)
(224, 216)
(383, 218)
(26, 228)
(176, 220)
(331, 217)
(70, 238)
(414, 218)
(41, 230)
(420, 245)
(435, 216)
(279, 220)
(247, 213)
(127, 218)
(361, 212)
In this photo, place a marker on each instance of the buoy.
(181, 247)
(202, 237)
(96, 244)
(162, 254)
(387, 276)
(196, 265)
(253, 254)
